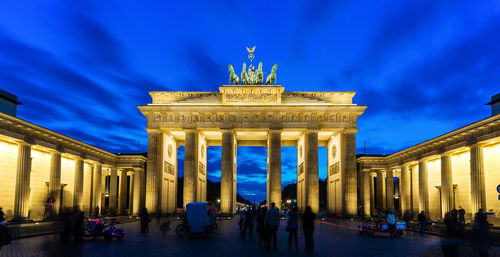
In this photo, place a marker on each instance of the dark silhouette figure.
(293, 227)
(144, 216)
(78, 226)
(249, 221)
(308, 218)
(2, 215)
(461, 215)
(241, 222)
(450, 244)
(480, 233)
(423, 221)
(261, 227)
(272, 223)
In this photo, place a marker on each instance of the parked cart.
(199, 219)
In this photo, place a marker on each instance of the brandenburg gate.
(251, 113)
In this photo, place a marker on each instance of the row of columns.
(193, 178)
(22, 187)
(385, 186)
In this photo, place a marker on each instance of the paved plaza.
(330, 240)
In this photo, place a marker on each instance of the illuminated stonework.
(38, 164)
(456, 169)
(254, 115)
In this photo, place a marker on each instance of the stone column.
(446, 184)
(227, 173)
(477, 183)
(122, 203)
(274, 168)
(351, 175)
(154, 172)
(405, 189)
(423, 186)
(365, 175)
(131, 193)
(381, 190)
(190, 167)
(113, 190)
(97, 188)
(138, 202)
(389, 189)
(311, 170)
(55, 180)
(372, 193)
(78, 182)
(22, 194)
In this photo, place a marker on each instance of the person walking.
(461, 215)
(422, 220)
(249, 221)
(450, 244)
(272, 222)
(293, 227)
(261, 227)
(144, 215)
(308, 218)
(241, 222)
(391, 223)
(480, 234)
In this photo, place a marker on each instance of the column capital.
(350, 130)
(153, 131)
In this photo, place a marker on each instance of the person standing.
(391, 223)
(2, 216)
(461, 215)
(261, 226)
(272, 222)
(249, 221)
(422, 220)
(293, 227)
(144, 215)
(308, 218)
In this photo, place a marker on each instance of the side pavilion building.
(251, 115)
(458, 169)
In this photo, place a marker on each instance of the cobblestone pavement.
(330, 240)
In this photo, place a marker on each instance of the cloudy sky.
(423, 68)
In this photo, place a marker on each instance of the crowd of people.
(268, 223)
(477, 237)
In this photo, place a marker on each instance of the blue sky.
(423, 68)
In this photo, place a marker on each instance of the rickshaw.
(368, 228)
(198, 219)
(97, 227)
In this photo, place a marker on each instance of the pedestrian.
(461, 215)
(480, 233)
(423, 221)
(391, 223)
(249, 222)
(78, 226)
(308, 218)
(241, 222)
(2, 216)
(261, 227)
(293, 227)
(144, 216)
(272, 222)
(450, 244)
